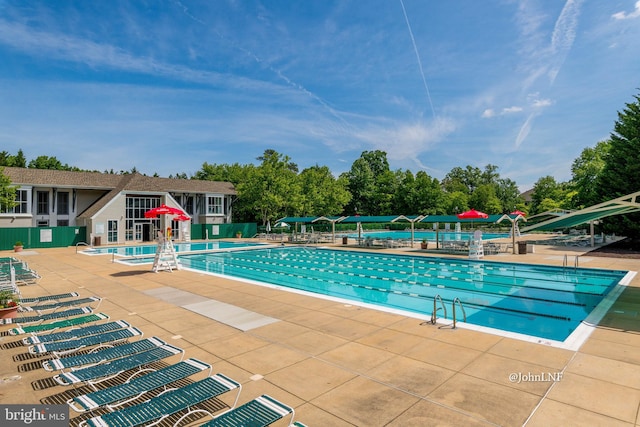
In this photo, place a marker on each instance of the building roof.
(106, 181)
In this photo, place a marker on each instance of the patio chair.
(62, 304)
(261, 411)
(19, 273)
(49, 316)
(42, 298)
(75, 333)
(102, 354)
(136, 386)
(73, 345)
(96, 374)
(58, 324)
(157, 409)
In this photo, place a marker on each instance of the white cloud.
(488, 113)
(625, 15)
(407, 141)
(511, 110)
(541, 103)
(95, 55)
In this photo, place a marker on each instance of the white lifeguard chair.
(476, 247)
(166, 257)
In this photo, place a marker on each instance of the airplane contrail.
(415, 48)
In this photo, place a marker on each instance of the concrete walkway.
(342, 365)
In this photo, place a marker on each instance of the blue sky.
(167, 85)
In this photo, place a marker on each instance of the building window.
(112, 232)
(63, 203)
(188, 205)
(215, 205)
(63, 223)
(22, 200)
(43, 203)
(43, 223)
(136, 206)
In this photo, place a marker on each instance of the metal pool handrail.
(453, 307)
(565, 262)
(81, 244)
(433, 313)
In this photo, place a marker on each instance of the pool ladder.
(455, 301)
(453, 307)
(565, 263)
(434, 316)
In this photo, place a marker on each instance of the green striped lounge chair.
(101, 354)
(75, 333)
(96, 374)
(157, 409)
(136, 386)
(43, 298)
(261, 411)
(63, 304)
(49, 316)
(59, 348)
(66, 323)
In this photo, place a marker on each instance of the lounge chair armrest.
(76, 407)
(115, 406)
(136, 373)
(191, 412)
(72, 350)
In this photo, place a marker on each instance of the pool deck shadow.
(339, 364)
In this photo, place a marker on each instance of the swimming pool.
(179, 247)
(428, 235)
(532, 300)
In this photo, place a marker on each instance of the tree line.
(275, 187)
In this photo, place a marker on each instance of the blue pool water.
(542, 301)
(179, 247)
(429, 235)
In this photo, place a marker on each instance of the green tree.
(585, 171)
(621, 172)
(46, 162)
(272, 189)
(431, 198)
(17, 161)
(386, 189)
(373, 186)
(456, 202)
(321, 193)
(485, 200)
(463, 180)
(362, 187)
(406, 199)
(545, 188)
(509, 195)
(234, 173)
(7, 193)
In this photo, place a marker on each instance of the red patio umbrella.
(517, 212)
(472, 214)
(163, 210)
(181, 217)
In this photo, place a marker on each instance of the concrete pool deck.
(339, 364)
